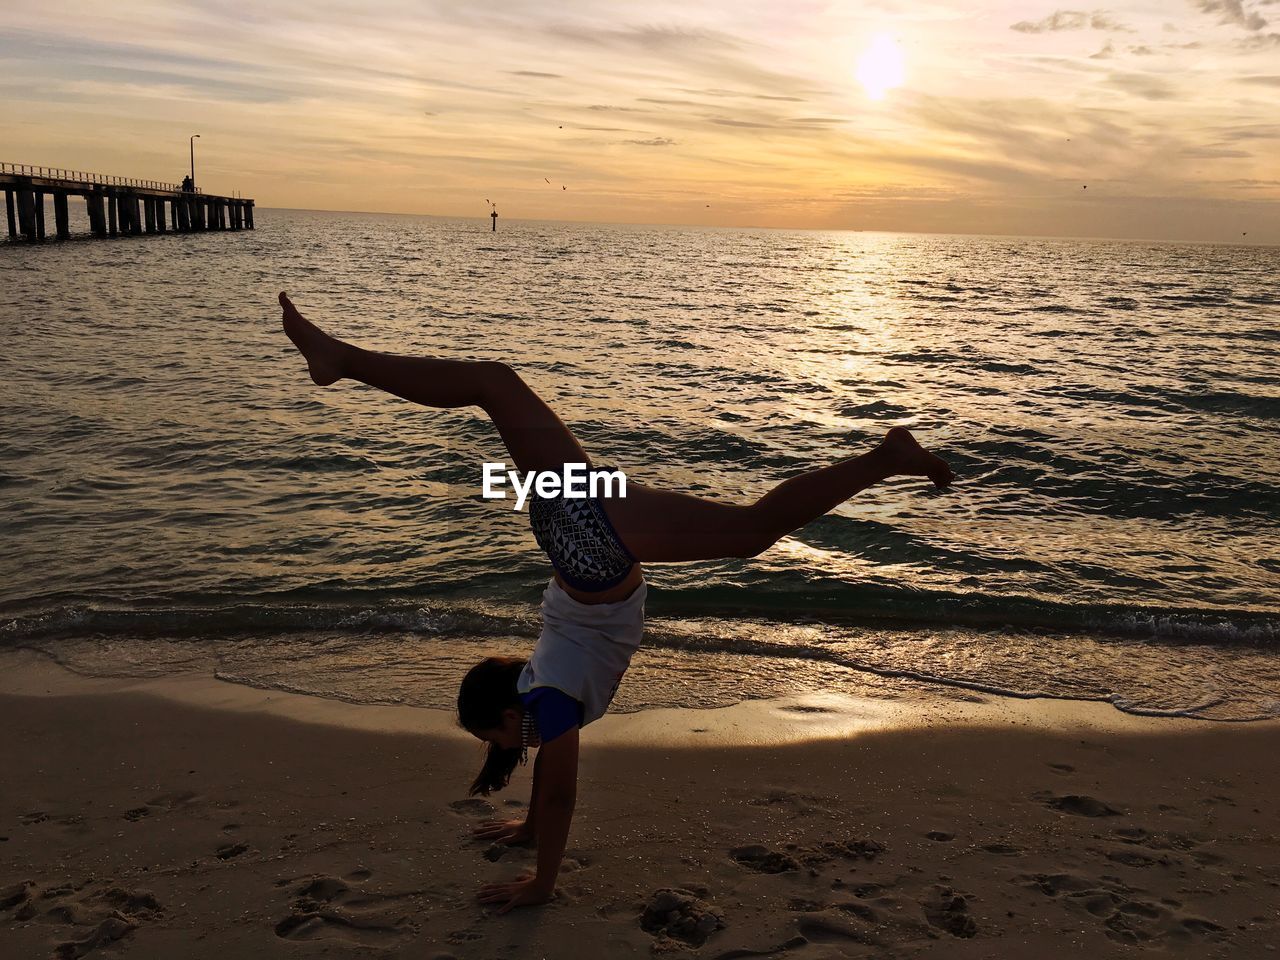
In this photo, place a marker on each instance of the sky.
(1147, 119)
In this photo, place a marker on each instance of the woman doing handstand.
(593, 607)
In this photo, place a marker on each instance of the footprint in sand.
(474, 807)
(874, 919)
(832, 930)
(677, 913)
(17, 895)
(164, 803)
(802, 803)
(229, 851)
(830, 850)
(949, 911)
(113, 912)
(1167, 842)
(1125, 916)
(1079, 805)
(36, 817)
(1001, 849)
(175, 801)
(1131, 858)
(328, 908)
(108, 931)
(761, 859)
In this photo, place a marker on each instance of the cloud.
(1102, 21)
(535, 73)
(1232, 11)
(1249, 131)
(1271, 81)
(648, 38)
(1259, 41)
(1142, 85)
(1072, 20)
(653, 142)
(1106, 53)
(1213, 153)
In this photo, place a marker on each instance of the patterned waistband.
(578, 539)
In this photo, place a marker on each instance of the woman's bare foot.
(323, 353)
(913, 460)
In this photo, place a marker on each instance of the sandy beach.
(188, 817)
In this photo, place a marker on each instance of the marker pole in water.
(494, 215)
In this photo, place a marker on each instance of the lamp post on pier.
(194, 138)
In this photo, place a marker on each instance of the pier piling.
(97, 214)
(60, 219)
(39, 217)
(27, 215)
(10, 213)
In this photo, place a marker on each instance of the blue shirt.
(554, 711)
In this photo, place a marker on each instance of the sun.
(881, 68)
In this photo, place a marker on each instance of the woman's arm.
(555, 793)
(531, 818)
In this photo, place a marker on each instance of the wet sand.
(193, 818)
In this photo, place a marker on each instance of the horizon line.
(705, 226)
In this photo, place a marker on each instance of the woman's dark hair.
(487, 690)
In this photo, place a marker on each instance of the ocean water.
(176, 495)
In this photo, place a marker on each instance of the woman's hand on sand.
(524, 892)
(504, 831)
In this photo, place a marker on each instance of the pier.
(117, 206)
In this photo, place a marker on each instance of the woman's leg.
(534, 435)
(663, 527)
